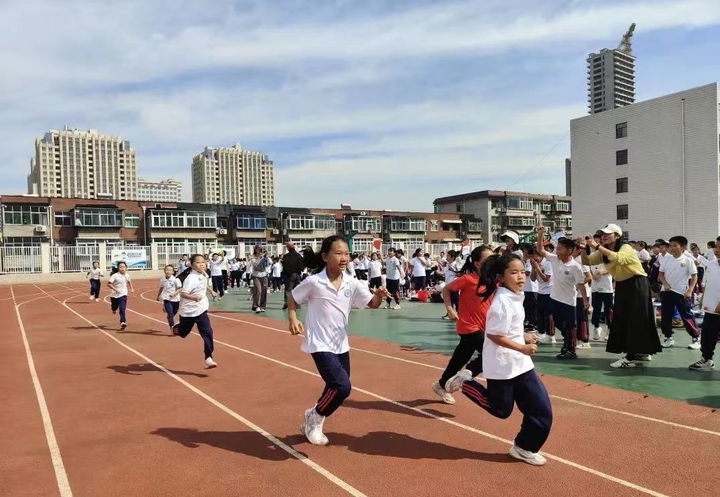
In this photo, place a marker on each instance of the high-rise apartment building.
(83, 164)
(168, 190)
(233, 175)
(611, 80)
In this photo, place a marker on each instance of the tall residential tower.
(83, 164)
(233, 175)
(611, 77)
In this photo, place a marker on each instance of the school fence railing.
(20, 260)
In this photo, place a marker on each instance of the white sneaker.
(396, 307)
(209, 363)
(312, 428)
(546, 339)
(695, 344)
(702, 365)
(668, 342)
(533, 458)
(92, 298)
(597, 333)
(583, 345)
(442, 393)
(455, 383)
(623, 363)
(97, 300)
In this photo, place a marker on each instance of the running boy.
(119, 283)
(330, 294)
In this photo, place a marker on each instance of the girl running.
(330, 294)
(119, 283)
(510, 373)
(470, 319)
(194, 306)
(169, 294)
(94, 275)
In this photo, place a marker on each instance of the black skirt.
(632, 329)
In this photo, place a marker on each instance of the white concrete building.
(83, 164)
(233, 175)
(168, 190)
(517, 211)
(611, 80)
(651, 168)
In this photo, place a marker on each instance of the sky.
(378, 104)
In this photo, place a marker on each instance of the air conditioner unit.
(363, 213)
(40, 228)
(221, 231)
(275, 232)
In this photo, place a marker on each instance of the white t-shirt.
(545, 287)
(392, 268)
(375, 268)
(195, 284)
(95, 274)
(120, 285)
(711, 297)
(603, 283)
(328, 311)
(277, 269)
(362, 263)
(566, 277)
(710, 255)
(505, 317)
(169, 285)
(418, 267)
(678, 272)
(530, 285)
(235, 266)
(217, 266)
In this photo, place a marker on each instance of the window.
(459, 207)
(180, 219)
(251, 222)
(300, 222)
(562, 206)
(546, 207)
(475, 226)
(98, 217)
(325, 222)
(339, 226)
(525, 204)
(621, 157)
(132, 220)
(621, 185)
(63, 218)
(622, 211)
(621, 130)
(365, 224)
(407, 224)
(434, 225)
(26, 215)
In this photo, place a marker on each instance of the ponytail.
(475, 255)
(314, 260)
(186, 272)
(490, 273)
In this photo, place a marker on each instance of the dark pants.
(602, 301)
(277, 283)
(671, 301)
(235, 279)
(710, 334)
(469, 343)
(334, 369)
(119, 304)
(530, 304)
(225, 279)
(393, 288)
(545, 318)
(375, 282)
(528, 392)
(419, 282)
(361, 274)
(564, 316)
(217, 285)
(290, 280)
(455, 300)
(581, 319)
(95, 288)
(204, 328)
(171, 308)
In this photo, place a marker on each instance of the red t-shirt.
(472, 308)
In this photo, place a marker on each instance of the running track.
(88, 411)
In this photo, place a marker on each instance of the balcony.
(405, 225)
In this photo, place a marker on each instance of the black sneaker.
(568, 354)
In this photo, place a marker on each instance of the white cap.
(612, 228)
(512, 235)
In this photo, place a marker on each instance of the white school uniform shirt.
(451, 271)
(603, 283)
(328, 311)
(363, 263)
(120, 285)
(95, 274)
(216, 267)
(711, 297)
(235, 266)
(418, 268)
(351, 269)
(169, 285)
(530, 285)
(392, 268)
(277, 269)
(710, 255)
(678, 272)
(566, 277)
(195, 284)
(375, 268)
(506, 317)
(545, 287)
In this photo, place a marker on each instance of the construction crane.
(626, 43)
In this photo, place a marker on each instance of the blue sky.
(380, 104)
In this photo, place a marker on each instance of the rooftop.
(498, 194)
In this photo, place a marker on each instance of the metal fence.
(20, 260)
(70, 258)
(171, 254)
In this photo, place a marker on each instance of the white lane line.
(575, 465)
(60, 474)
(294, 453)
(431, 366)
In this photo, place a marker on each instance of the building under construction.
(611, 76)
